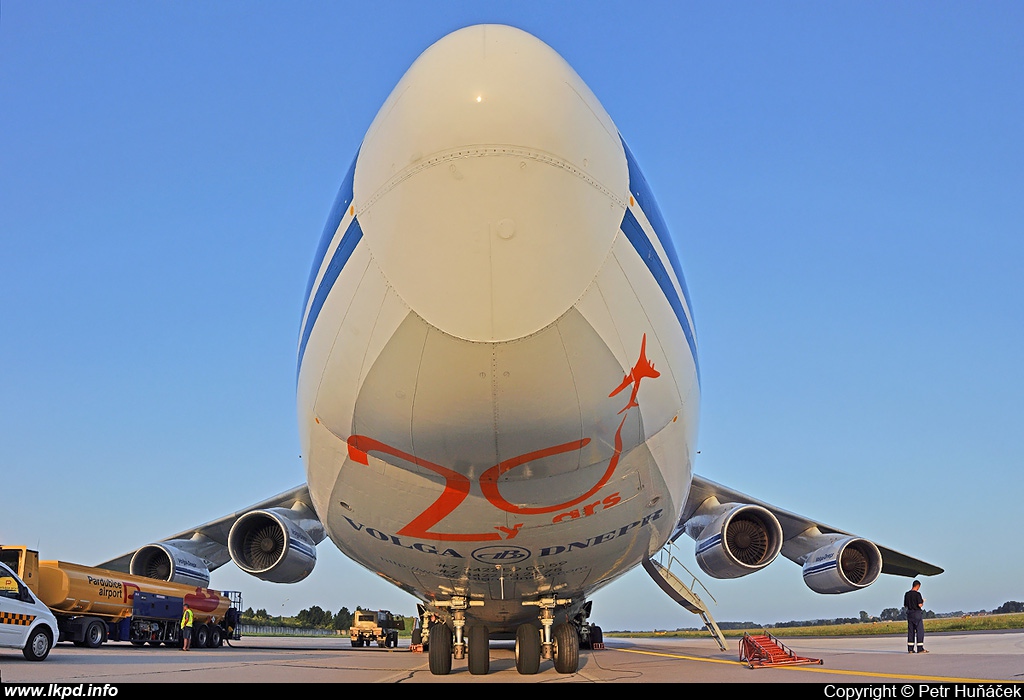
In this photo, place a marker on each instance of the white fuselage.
(498, 388)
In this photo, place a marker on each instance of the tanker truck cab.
(25, 623)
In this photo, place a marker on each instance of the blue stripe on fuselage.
(353, 234)
(635, 233)
(645, 198)
(334, 218)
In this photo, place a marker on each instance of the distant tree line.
(1010, 606)
(887, 615)
(314, 617)
(737, 625)
(897, 614)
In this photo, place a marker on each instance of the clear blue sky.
(845, 183)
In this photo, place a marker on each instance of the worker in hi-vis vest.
(186, 628)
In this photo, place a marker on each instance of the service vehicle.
(92, 606)
(25, 622)
(379, 626)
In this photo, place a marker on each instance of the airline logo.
(643, 368)
(501, 555)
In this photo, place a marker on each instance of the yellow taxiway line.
(820, 669)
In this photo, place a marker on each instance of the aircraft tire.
(567, 648)
(527, 650)
(479, 650)
(440, 653)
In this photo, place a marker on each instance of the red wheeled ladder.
(765, 650)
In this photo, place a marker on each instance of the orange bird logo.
(642, 368)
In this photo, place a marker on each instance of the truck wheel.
(95, 634)
(440, 653)
(216, 638)
(38, 645)
(200, 637)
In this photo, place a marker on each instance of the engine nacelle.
(848, 564)
(165, 562)
(735, 539)
(273, 545)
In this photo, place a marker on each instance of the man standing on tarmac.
(186, 628)
(913, 601)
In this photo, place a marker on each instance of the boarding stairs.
(764, 650)
(680, 592)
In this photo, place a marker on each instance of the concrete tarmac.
(954, 658)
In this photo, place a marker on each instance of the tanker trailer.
(96, 605)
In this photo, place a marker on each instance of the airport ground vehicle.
(25, 623)
(92, 606)
(379, 626)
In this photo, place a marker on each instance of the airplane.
(493, 275)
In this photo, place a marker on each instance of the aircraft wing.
(209, 541)
(795, 529)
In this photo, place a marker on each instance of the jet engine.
(167, 563)
(735, 539)
(847, 564)
(274, 544)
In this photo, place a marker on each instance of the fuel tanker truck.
(93, 605)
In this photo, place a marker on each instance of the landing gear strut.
(442, 647)
(558, 642)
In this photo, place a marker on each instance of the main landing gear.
(444, 642)
(561, 643)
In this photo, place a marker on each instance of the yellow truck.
(93, 605)
(369, 626)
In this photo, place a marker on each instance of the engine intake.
(735, 539)
(164, 562)
(272, 545)
(848, 564)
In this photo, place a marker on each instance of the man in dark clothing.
(913, 601)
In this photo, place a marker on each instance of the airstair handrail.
(668, 550)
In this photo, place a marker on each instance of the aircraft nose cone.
(491, 185)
